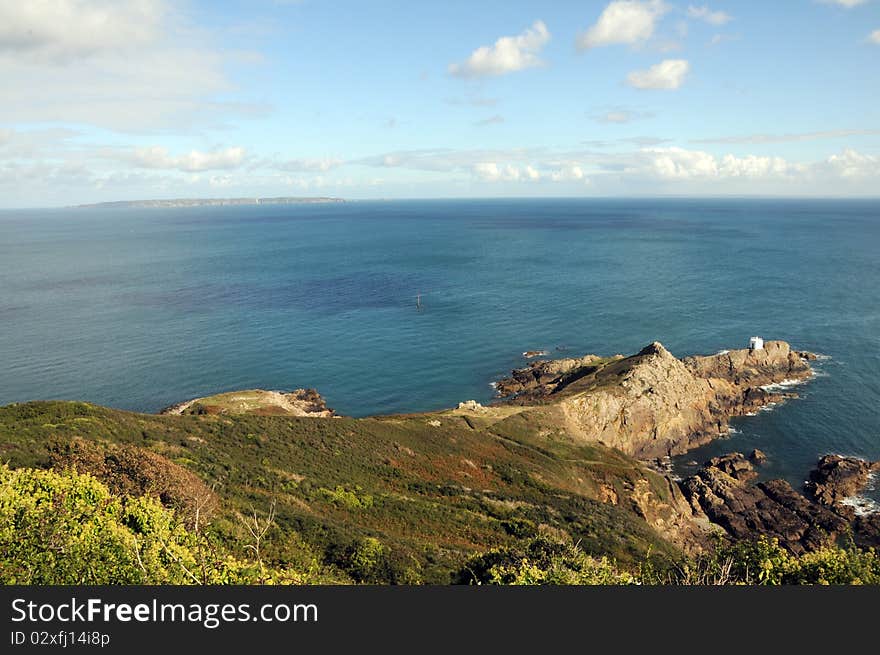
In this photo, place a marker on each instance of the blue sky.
(104, 100)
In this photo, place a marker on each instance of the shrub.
(133, 471)
(67, 528)
(542, 562)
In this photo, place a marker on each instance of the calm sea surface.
(141, 308)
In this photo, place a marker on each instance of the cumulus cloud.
(853, 164)
(568, 173)
(495, 172)
(623, 22)
(675, 163)
(753, 166)
(874, 37)
(507, 55)
(668, 74)
(704, 13)
(193, 161)
(492, 172)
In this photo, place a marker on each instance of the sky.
(104, 100)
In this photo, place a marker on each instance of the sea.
(404, 306)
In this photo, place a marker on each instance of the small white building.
(756, 343)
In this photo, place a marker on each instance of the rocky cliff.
(724, 492)
(652, 404)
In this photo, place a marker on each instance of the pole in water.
(419, 301)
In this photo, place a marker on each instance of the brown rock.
(836, 478)
(866, 530)
(735, 465)
(652, 404)
(772, 509)
(757, 456)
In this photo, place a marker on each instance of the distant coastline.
(208, 202)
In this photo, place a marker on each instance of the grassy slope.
(431, 494)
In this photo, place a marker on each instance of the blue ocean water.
(141, 308)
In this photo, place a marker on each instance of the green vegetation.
(499, 496)
(432, 496)
(765, 562)
(67, 528)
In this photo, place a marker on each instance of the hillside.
(433, 489)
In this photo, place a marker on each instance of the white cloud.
(678, 163)
(495, 172)
(668, 74)
(706, 14)
(492, 172)
(853, 164)
(846, 4)
(568, 173)
(623, 22)
(61, 30)
(133, 66)
(158, 157)
(875, 37)
(675, 163)
(752, 166)
(507, 55)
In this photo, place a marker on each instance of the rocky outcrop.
(723, 492)
(775, 362)
(837, 478)
(545, 377)
(757, 456)
(734, 465)
(652, 404)
(772, 509)
(300, 402)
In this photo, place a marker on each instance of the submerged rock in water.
(836, 478)
(757, 456)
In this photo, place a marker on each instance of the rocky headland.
(300, 402)
(653, 404)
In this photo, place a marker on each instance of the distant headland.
(209, 202)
